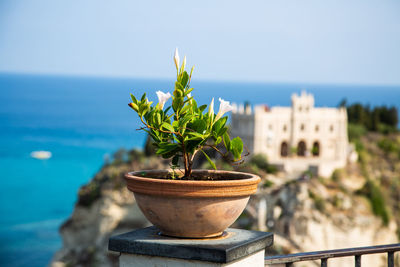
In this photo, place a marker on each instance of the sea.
(84, 120)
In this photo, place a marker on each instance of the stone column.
(146, 248)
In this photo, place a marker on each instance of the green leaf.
(177, 140)
(227, 141)
(194, 104)
(167, 148)
(145, 109)
(168, 154)
(185, 120)
(202, 108)
(143, 97)
(185, 79)
(141, 108)
(175, 160)
(209, 160)
(185, 108)
(188, 91)
(134, 100)
(222, 131)
(155, 138)
(236, 147)
(191, 145)
(177, 103)
(219, 139)
(168, 127)
(179, 87)
(158, 118)
(199, 126)
(218, 125)
(168, 108)
(195, 134)
(223, 120)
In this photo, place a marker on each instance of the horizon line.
(72, 75)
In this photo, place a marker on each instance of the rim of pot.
(245, 185)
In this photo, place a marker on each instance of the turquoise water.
(80, 120)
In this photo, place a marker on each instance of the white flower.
(224, 107)
(162, 98)
(211, 108)
(176, 58)
(189, 96)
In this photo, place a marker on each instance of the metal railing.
(289, 259)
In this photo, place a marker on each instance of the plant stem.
(188, 166)
(186, 161)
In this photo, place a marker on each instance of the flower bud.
(133, 106)
(176, 58)
(211, 108)
(184, 63)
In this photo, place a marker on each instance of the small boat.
(41, 154)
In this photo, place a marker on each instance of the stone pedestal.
(147, 248)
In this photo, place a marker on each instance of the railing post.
(146, 247)
(358, 260)
(390, 260)
(324, 262)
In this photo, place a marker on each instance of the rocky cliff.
(104, 208)
(312, 214)
(305, 214)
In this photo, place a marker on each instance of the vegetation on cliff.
(377, 119)
(374, 131)
(379, 164)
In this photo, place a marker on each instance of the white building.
(295, 138)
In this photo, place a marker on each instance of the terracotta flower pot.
(192, 208)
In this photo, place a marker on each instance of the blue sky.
(341, 41)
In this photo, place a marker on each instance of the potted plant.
(185, 202)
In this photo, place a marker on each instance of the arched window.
(315, 149)
(331, 128)
(284, 128)
(302, 127)
(301, 149)
(316, 128)
(284, 149)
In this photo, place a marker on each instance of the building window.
(300, 108)
(302, 127)
(284, 128)
(316, 128)
(270, 127)
(331, 128)
(315, 149)
(301, 149)
(284, 149)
